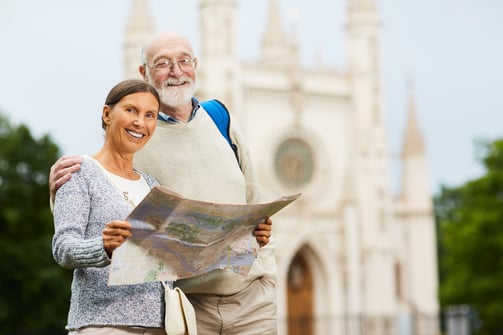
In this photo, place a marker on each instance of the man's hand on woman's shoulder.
(61, 171)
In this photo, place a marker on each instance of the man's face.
(171, 70)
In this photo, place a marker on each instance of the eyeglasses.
(184, 65)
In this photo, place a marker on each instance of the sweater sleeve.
(252, 190)
(75, 244)
(266, 263)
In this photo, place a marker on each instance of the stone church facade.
(354, 258)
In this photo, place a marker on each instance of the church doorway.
(300, 297)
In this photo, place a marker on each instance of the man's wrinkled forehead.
(168, 45)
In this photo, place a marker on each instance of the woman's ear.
(106, 115)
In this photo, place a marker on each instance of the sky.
(59, 59)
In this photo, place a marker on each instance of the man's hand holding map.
(174, 237)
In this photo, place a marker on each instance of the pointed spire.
(139, 28)
(274, 34)
(140, 20)
(413, 143)
(415, 191)
(275, 44)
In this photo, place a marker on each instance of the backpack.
(220, 116)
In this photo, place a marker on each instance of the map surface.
(174, 237)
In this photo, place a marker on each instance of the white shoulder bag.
(180, 318)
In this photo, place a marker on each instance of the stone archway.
(300, 297)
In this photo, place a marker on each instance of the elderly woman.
(89, 214)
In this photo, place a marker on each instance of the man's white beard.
(175, 96)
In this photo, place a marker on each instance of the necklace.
(121, 183)
(125, 194)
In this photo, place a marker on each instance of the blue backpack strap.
(220, 116)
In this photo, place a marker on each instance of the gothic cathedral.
(354, 258)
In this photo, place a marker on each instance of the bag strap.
(220, 116)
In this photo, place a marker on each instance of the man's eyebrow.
(176, 56)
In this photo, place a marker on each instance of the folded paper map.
(174, 237)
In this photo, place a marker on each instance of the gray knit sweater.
(82, 207)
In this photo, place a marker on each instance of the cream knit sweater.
(194, 160)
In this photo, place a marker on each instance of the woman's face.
(131, 122)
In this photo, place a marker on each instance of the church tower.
(370, 159)
(418, 226)
(139, 28)
(219, 72)
(276, 49)
(363, 58)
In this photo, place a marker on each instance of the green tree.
(470, 219)
(34, 290)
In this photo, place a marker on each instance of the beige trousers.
(249, 312)
(118, 331)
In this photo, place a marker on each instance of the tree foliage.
(34, 290)
(470, 219)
